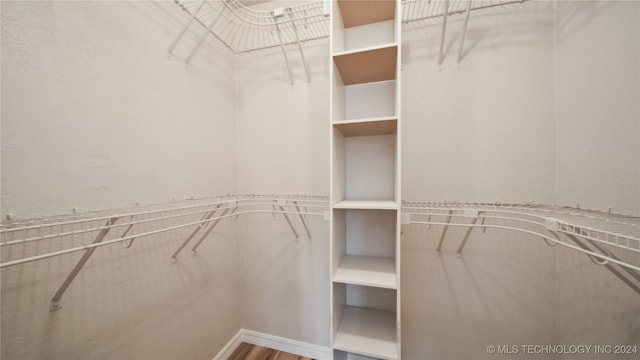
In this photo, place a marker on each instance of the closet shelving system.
(243, 29)
(35, 239)
(610, 240)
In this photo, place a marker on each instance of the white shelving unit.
(365, 179)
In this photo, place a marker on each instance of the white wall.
(283, 133)
(283, 143)
(479, 131)
(483, 130)
(598, 120)
(95, 115)
(598, 111)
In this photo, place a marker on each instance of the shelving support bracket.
(608, 265)
(55, 300)
(213, 226)
(444, 232)
(289, 222)
(126, 231)
(186, 26)
(304, 223)
(284, 51)
(304, 61)
(204, 36)
(206, 217)
(464, 30)
(444, 30)
(466, 236)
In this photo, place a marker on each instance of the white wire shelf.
(33, 239)
(243, 29)
(609, 239)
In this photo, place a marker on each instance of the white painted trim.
(277, 343)
(230, 347)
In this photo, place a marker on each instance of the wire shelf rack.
(611, 240)
(608, 239)
(34, 239)
(243, 29)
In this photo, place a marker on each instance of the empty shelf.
(367, 127)
(367, 204)
(367, 271)
(367, 332)
(358, 13)
(367, 65)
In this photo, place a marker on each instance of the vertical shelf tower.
(365, 178)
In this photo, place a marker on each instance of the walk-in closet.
(320, 179)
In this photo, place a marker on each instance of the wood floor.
(253, 352)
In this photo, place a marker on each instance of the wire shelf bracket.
(55, 300)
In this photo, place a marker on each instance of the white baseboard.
(277, 343)
(231, 346)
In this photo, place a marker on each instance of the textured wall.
(598, 111)
(283, 144)
(95, 115)
(598, 124)
(482, 130)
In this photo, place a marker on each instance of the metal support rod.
(466, 236)
(213, 226)
(484, 228)
(550, 243)
(444, 29)
(55, 300)
(634, 274)
(608, 265)
(304, 223)
(203, 37)
(464, 30)
(186, 26)
(195, 231)
(304, 62)
(444, 232)
(125, 234)
(289, 222)
(284, 52)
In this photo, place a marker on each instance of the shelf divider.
(370, 65)
(367, 271)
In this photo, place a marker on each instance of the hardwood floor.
(253, 352)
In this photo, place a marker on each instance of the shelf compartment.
(369, 65)
(367, 127)
(363, 101)
(367, 271)
(367, 332)
(364, 169)
(364, 234)
(362, 12)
